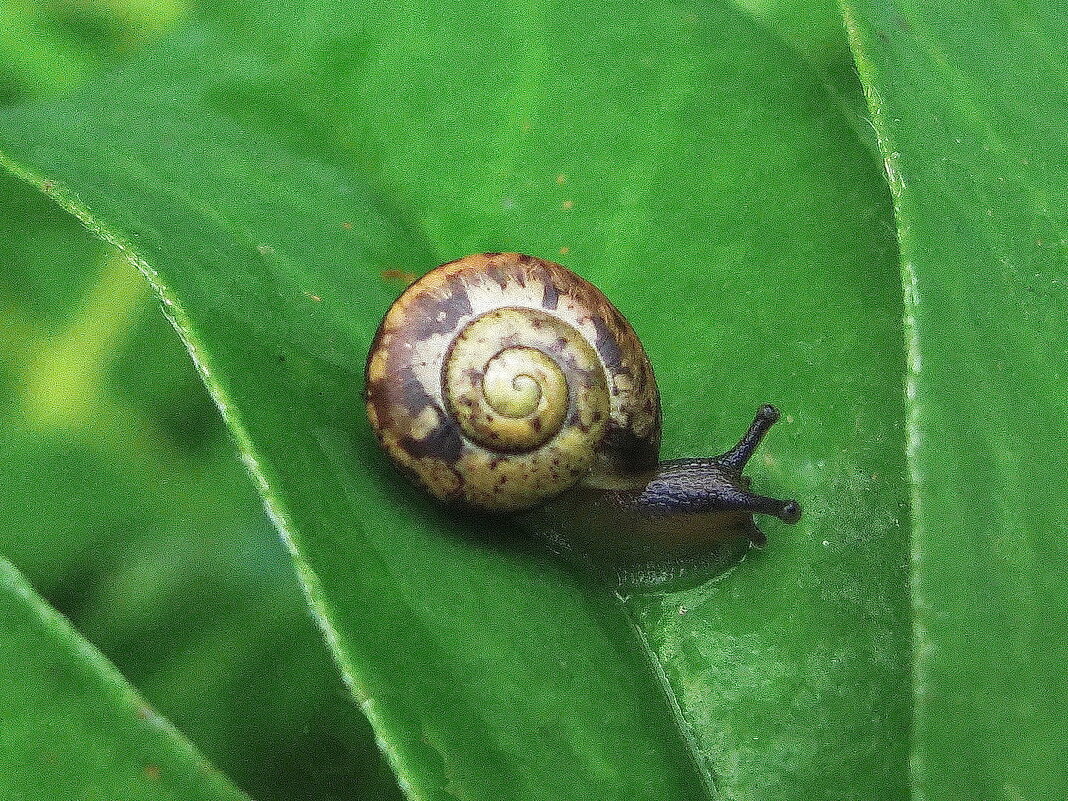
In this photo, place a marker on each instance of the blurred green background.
(121, 497)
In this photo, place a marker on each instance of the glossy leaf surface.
(270, 177)
(972, 121)
(122, 502)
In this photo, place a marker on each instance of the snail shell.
(500, 380)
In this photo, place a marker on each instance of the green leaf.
(701, 174)
(427, 635)
(122, 502)
(972, 123)
(72, 728)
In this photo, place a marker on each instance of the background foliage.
(268, 168)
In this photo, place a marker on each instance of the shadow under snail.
(508, 384)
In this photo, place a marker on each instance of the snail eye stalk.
(738, 456)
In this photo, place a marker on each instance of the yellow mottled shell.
(501, 380)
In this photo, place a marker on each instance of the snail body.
(508, 384)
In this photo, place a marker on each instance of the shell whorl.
(500, 380)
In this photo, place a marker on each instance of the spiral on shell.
(500, 380)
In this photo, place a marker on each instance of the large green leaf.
(266, 176)
(72, 728)
(122, 502)
(972, 115)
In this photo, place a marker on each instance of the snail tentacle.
(713, 486)
(738, 456)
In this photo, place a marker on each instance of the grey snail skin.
(509, 385)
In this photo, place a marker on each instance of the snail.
(505, 383)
